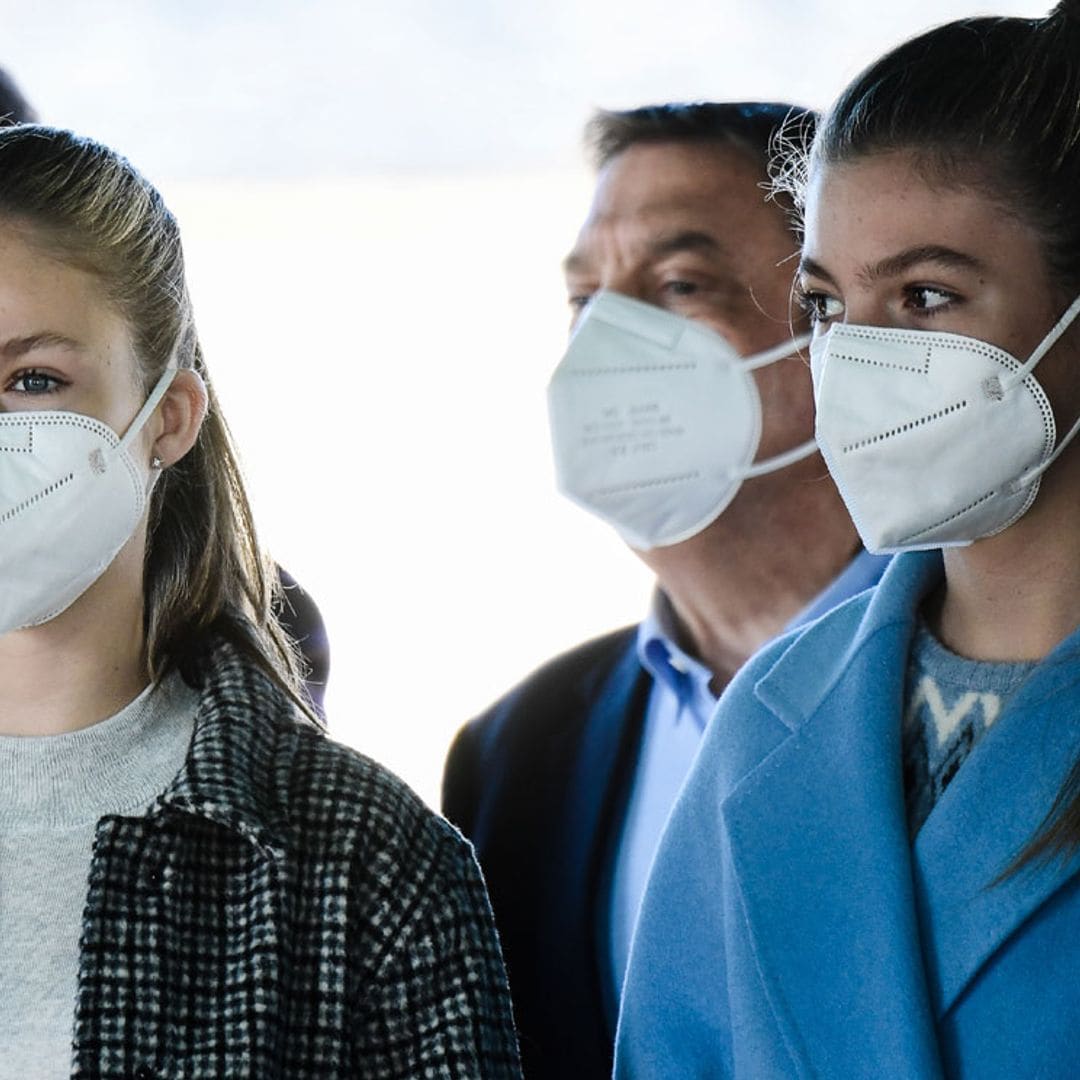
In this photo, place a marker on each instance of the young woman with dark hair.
(883, 826)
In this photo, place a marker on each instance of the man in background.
(564, 785)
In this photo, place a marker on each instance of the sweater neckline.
(114, 766)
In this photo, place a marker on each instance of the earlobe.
(182, 411)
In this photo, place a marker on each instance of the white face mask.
(70, 498)
(934, 440)
(655, 420)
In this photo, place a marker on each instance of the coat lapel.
(987, 815)
(817, 838)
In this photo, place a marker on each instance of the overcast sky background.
(195, 88)
(375, 199)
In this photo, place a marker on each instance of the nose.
(867, 310)
(616, 279)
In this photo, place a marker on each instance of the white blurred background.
(375, 198)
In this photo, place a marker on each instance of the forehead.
(655, 187)
(39, 292)
(870, 208)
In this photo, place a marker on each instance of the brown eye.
(819, 306)
(680, 288)
(928, 298)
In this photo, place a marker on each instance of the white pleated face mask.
(70, 498)
(934, 440)
(655, 420)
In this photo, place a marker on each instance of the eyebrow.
(900, 262)
(686, 240)
(20, 346)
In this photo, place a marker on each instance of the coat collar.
(245, 728)
(842, 900)
(818, 843)
(810, 667)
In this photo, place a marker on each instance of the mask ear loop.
(796, 453)
(777, 352)
(1037, 471)
(1044, 346)
(149, 406)
(1017, 377)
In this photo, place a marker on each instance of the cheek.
(787, 402)
(119, 404)
(1017, 321)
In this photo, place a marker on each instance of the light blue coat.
(789, 927)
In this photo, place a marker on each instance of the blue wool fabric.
(791, 929)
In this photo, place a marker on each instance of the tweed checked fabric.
(288, 909)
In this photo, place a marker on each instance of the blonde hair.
(205, 577)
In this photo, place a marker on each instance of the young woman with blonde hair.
(194, 880)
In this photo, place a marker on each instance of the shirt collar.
(670, 665)
(688, 678)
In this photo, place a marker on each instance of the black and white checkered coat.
(286, 909)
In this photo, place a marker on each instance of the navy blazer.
(539, 783)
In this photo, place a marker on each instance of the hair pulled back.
(204, 576)
(988, 103)
(992, 104)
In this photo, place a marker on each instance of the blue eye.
(34, 382)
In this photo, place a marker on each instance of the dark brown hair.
(992, 104)
(749, 125)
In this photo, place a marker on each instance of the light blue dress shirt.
(680, 705)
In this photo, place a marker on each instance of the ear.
(179, 417)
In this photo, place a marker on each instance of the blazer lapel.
(818, 846)
(602, 784)
(987, 815)
(572, 969)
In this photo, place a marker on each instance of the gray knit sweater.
(53, 791)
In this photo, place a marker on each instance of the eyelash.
(812, 302)
(56, 383)
(950, 299)
(679, 287)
